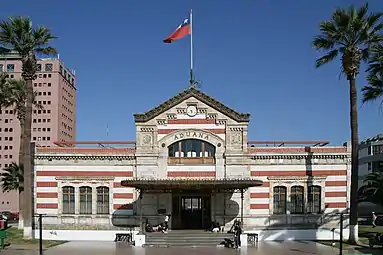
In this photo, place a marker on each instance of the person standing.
(166, 222)
(237, 235)
(374, 217)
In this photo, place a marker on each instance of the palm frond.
(48, 51)
(372, 189)
(18, 97)
(12, 178)
(18, 33)
(350, 32)
(374, 90)
(376, 60)
(327, 58)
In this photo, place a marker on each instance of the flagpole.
(192, 82)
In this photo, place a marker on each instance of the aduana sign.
(192, 134)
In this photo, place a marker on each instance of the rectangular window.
(314, 199)
(85, 200)
(377, 149)
(377, 166)
(10, 68)
(68, 200)
(1, 68)
(297, 199)
(279, 200)
(48, 67)
(38, 68)
(102, 200)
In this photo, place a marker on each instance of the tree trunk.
(353, 237)
(28, 171)
(21, 193)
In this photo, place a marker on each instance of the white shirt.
(166, 218)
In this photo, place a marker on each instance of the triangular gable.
(187, 93)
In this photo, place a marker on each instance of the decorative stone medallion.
(236, 138)
(147, 139)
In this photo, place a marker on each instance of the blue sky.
(254, 56)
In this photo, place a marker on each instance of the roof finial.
(193, 83)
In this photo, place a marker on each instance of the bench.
(252, 239)
(3, 235)
(123, 237)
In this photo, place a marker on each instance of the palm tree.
(372, 189)
(18, 33)
(17, 97)
(350, 33)
(12, 178)
(374, 89)
(4, 91)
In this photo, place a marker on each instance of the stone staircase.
(188, 238)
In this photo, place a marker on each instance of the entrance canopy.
(191, 184)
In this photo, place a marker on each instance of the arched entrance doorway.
(191, 209)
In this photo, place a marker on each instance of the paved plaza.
(105, 248)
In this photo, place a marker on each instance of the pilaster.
(236, 138)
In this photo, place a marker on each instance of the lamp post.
(341, 235)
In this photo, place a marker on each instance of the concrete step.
(156, 245)
(171, 233)
(186, 238)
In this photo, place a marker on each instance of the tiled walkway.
(105, 248)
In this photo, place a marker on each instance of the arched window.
(68, 200)
(191, 148)
(102, 200)
(279, 201)
(297, 199)
(314, 200)
(85, 200)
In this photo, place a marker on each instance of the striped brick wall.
(181, 171)
(334, 181)
(185, 122)
(294, 150)
(49, 178)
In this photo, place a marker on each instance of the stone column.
(94, 202)
(220, 172)
(77, 203)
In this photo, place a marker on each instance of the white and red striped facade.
(326, 167)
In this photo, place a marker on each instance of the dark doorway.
(191, 211)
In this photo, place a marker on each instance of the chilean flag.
(182, 30)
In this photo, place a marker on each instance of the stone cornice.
(84, 157)
(297, 178)
(308, 157)
(133, 157)
(84, 178)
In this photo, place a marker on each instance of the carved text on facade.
(192, 134)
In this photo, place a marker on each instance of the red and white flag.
(182, 30)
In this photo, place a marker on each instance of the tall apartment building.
(56, 121)
(371, 156)
(370, 161)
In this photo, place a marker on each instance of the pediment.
(185, 95)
